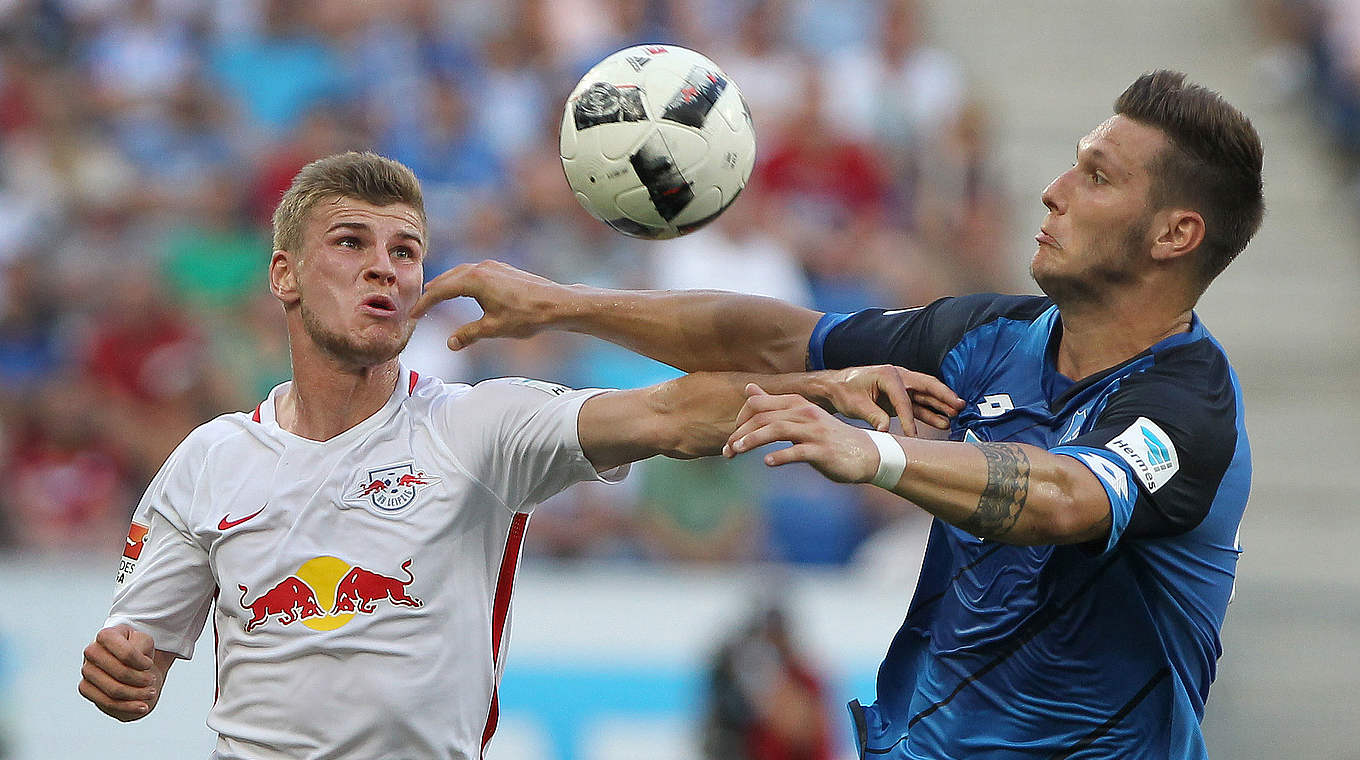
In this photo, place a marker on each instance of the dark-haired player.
(1084, 548)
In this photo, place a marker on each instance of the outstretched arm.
(693, 330)
(1008, 492)
(693, 416)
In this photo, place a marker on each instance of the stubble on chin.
(348, 349)
(1113, 260)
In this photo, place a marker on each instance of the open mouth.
(380, 303)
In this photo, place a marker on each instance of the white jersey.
(360, 586)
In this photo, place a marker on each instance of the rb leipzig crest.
(389, 489)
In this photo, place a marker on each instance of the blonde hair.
(366, 176)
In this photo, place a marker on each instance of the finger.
(780, 430)
(802, 452)
(467, 334)
(119, 641)
(749, 425)
(105, 661)
(450, 284)
(870, 412)
(759, 401)
(931, 418)
(792, 415)
(900, 400)
(122, 709)
(931, 390)
(923, 399)
(116, 688)
(909, 427)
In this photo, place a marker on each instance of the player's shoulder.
(220, 432)
(430, 387)
(979, 309)
(492, 397)
(960, 314)
(1192, 368)
(221, 439)
(1189, 389)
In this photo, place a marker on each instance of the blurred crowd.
(144, 143)
(1312, 56)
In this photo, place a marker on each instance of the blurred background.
(703, 609)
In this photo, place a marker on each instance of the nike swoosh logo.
(226, 524)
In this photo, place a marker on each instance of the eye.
(402, 252)
(348, 241)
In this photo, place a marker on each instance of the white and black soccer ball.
(656, 141)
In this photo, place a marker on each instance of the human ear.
(283, 277)
(1181, 234)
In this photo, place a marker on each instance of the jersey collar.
(407, 381)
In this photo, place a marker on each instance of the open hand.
(839, 451)
(876, 394)
(515, 303)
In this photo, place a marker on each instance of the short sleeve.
(519, 438)
(1161, 447)
(918, 338)
(164, 585)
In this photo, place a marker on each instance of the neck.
(1095, 339)
(327, 398)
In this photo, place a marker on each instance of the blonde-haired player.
(356, 537)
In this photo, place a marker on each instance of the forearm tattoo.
(1003, 498)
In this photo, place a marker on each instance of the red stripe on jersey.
(217, 653)
(256, 415)
(414, 377)
(500, 609)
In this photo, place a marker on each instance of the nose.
(1052, 195)
(380, 269)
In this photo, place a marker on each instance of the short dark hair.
(366, 177)
(1212, 163)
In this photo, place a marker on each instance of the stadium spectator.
(67, 486)
(765, 700)
(131, 132)
(701, 511)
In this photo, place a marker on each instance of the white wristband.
(892, 460)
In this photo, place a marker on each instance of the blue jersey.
(1098, 650)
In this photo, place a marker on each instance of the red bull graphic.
(291, 600)
(389, 489)
(377, 486)
(360, 588)
(326, 593)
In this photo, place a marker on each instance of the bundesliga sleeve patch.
(1149, 451)
(132, 551)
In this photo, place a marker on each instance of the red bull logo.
(290, 600)
(361, 588)
(389, 489)
(326, 593)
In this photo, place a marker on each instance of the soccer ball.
(656, 141)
